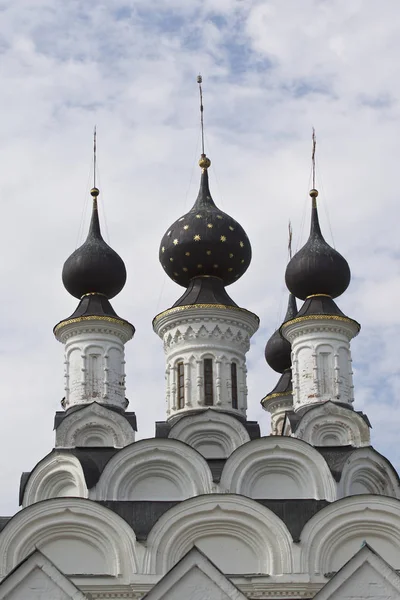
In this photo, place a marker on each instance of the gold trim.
(93, 294)
(317, 295)
(177, 309)
(92, 318)
(321, 317)
(276, 395)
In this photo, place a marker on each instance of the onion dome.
(278, 350)
(317, 268)
(94, 268)
(205, 242)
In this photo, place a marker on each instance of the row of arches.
(239, 535)
(170, 470)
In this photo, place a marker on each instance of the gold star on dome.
(230, 269)
(197, 237)
(163, 249)
(215, 266)
(208, 252)
(219, 217)
(242, 261)
(169, 233)
(231, 228)
(175, 242)
(182, 219)
(241, 244)
(210, 225)
(184, 269)
(230, 255)
(176, 274)
(171, 259)
(199, 266)
(198, 216)
(186, 227)
(187, 253)
(223, 238)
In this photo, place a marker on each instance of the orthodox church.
(207, 509)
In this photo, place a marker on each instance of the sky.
(271, 70)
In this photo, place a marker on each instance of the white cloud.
(271, 71)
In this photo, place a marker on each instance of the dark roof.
(278, 353)
(205, 290)
(317, 268)
(3, 522)
(335, 457)
(284, 385)
(143, 515)
(216, 467)
(61, 414)
(94, 266)
(205, 241)
(164, 427)
(93, 461)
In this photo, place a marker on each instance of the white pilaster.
(192, 334)
(321, 359)
(94, 360)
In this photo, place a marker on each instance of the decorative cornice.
(177, 309)
(63, 331)
(321, 318)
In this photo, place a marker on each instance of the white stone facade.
(195, 334)
(94, 360)
(321, 359)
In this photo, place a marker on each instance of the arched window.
(208, 382)
(181, 384)
(234, 386)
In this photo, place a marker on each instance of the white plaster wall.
(38, 586)
(321, 360)
(94, 362)
(197, 586)
(190, 336)
(366, 584)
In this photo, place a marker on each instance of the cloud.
(271, 71)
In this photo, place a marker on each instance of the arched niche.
(94, 425)
(81, 537)
(213, 434)
(368, 472)
(336, 533)
(278, 467)
(330, 424)
(57, 475)
(237, 534)
(154, 469)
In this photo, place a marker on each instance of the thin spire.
(94, 157)
(314, 145)
(290, 231)
(204, 161)
(200, 81)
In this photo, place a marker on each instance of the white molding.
(282, 459)
(57, 475)
(65, 519)
(366, 469)
(154, 463)
(94, 425)
(333, 535)
(330, 424)
(213, 434)
(255, 527)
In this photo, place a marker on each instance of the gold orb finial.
(313, 193)
(204, 162)
(94, 192)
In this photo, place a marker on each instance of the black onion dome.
(205, 242)
(278, 350)
(317, 268)
(94, 267)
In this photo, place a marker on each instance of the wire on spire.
(94, 157)
(290, 239)
(204, 162)
(314, 144)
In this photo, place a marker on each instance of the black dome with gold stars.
(205, 242)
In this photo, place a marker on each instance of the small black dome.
(94, 267)
(278, 350)
(317, 268)
(205, 242)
